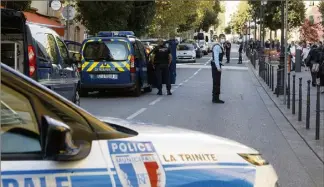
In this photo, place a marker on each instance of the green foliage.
(115, 15)
(190, 23)
(321, 10)
(228, 30)
(240, 17)
(209, 19)
(272, 13)
(17, 5)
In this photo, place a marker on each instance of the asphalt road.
(244, 117)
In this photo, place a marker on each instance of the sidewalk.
(308, 135)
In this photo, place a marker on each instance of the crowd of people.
(312, 55)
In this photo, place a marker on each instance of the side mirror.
(57, 141)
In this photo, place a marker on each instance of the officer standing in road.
(216, 63)
(227, 46)
(240, 52)
(161, 64)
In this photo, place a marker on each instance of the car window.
(136, 49)
(105, 51)
(141, 49)
(46, 46)
(63, 50)
(19, 128)
(185, 47)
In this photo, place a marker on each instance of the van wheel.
(148, 89)
(137, 91)
(76, 98)
(83, 93)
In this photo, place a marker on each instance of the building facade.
(76, 30)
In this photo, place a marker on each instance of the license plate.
(107, 76)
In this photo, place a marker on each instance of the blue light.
(115, 33)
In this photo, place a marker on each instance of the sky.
(230, 8)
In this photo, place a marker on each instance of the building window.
(311, 19)
(77, 34)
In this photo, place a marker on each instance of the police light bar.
(115, 33)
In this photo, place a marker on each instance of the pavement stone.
(308, 136)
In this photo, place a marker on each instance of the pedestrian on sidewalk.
(313, 61)
(216, 66)
(240, 53)
(161, 64)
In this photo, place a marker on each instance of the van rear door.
(106, 62)
(14, 45)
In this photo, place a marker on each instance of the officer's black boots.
(159, 92)
(217, 100)
(169, 92)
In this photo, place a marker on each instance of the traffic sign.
(56, 5)
(68, 12)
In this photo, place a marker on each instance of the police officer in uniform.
(227, 45)
(161, 63)
(216, 63)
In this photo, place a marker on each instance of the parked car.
(203, 45)
(199, 52)
(186, 53)
(48, 140)
(39, 53)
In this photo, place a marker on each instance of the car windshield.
(185, 47)
(110, 51)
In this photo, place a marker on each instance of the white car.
(203, 45)
(47, 140)
(186, 53)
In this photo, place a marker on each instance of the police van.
(114, 60)
(38, 52)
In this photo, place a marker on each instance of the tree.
(115, 15)
(239, 18)
(209, 19)
(208, 14)
(272, 13)
(228, 30)
(17, 5)
(321, 10)
(309, 31)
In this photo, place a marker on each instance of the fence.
(269, 73)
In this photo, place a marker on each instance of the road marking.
(155, 101)
(160, 98)
(208, 67)
(136, 113)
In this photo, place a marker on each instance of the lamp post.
(261, 56)
(281, 76)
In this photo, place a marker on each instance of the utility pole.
(281, 77)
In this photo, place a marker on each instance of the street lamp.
(281, 76)
(262, 56)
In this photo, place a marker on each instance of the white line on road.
(136, 113)
(155, 101)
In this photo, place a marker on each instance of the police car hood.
(169, 134)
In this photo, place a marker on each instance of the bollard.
(300, 99)
(294, 95)
(272, 77)
(288, 94)
(268, 75)
(308, 105)
(318, 110)
(278, 82)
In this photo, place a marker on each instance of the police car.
(114, 60)
(47, 140)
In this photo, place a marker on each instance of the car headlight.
(255, 159)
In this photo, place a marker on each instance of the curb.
(263, 87)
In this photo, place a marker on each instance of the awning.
(45, 21)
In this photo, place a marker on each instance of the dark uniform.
(227, 47)
(240, 53)
(161, 64)
(216, 74)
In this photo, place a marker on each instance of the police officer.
(161, 63)
(240, 53)
(227, 46)
(216, 63)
